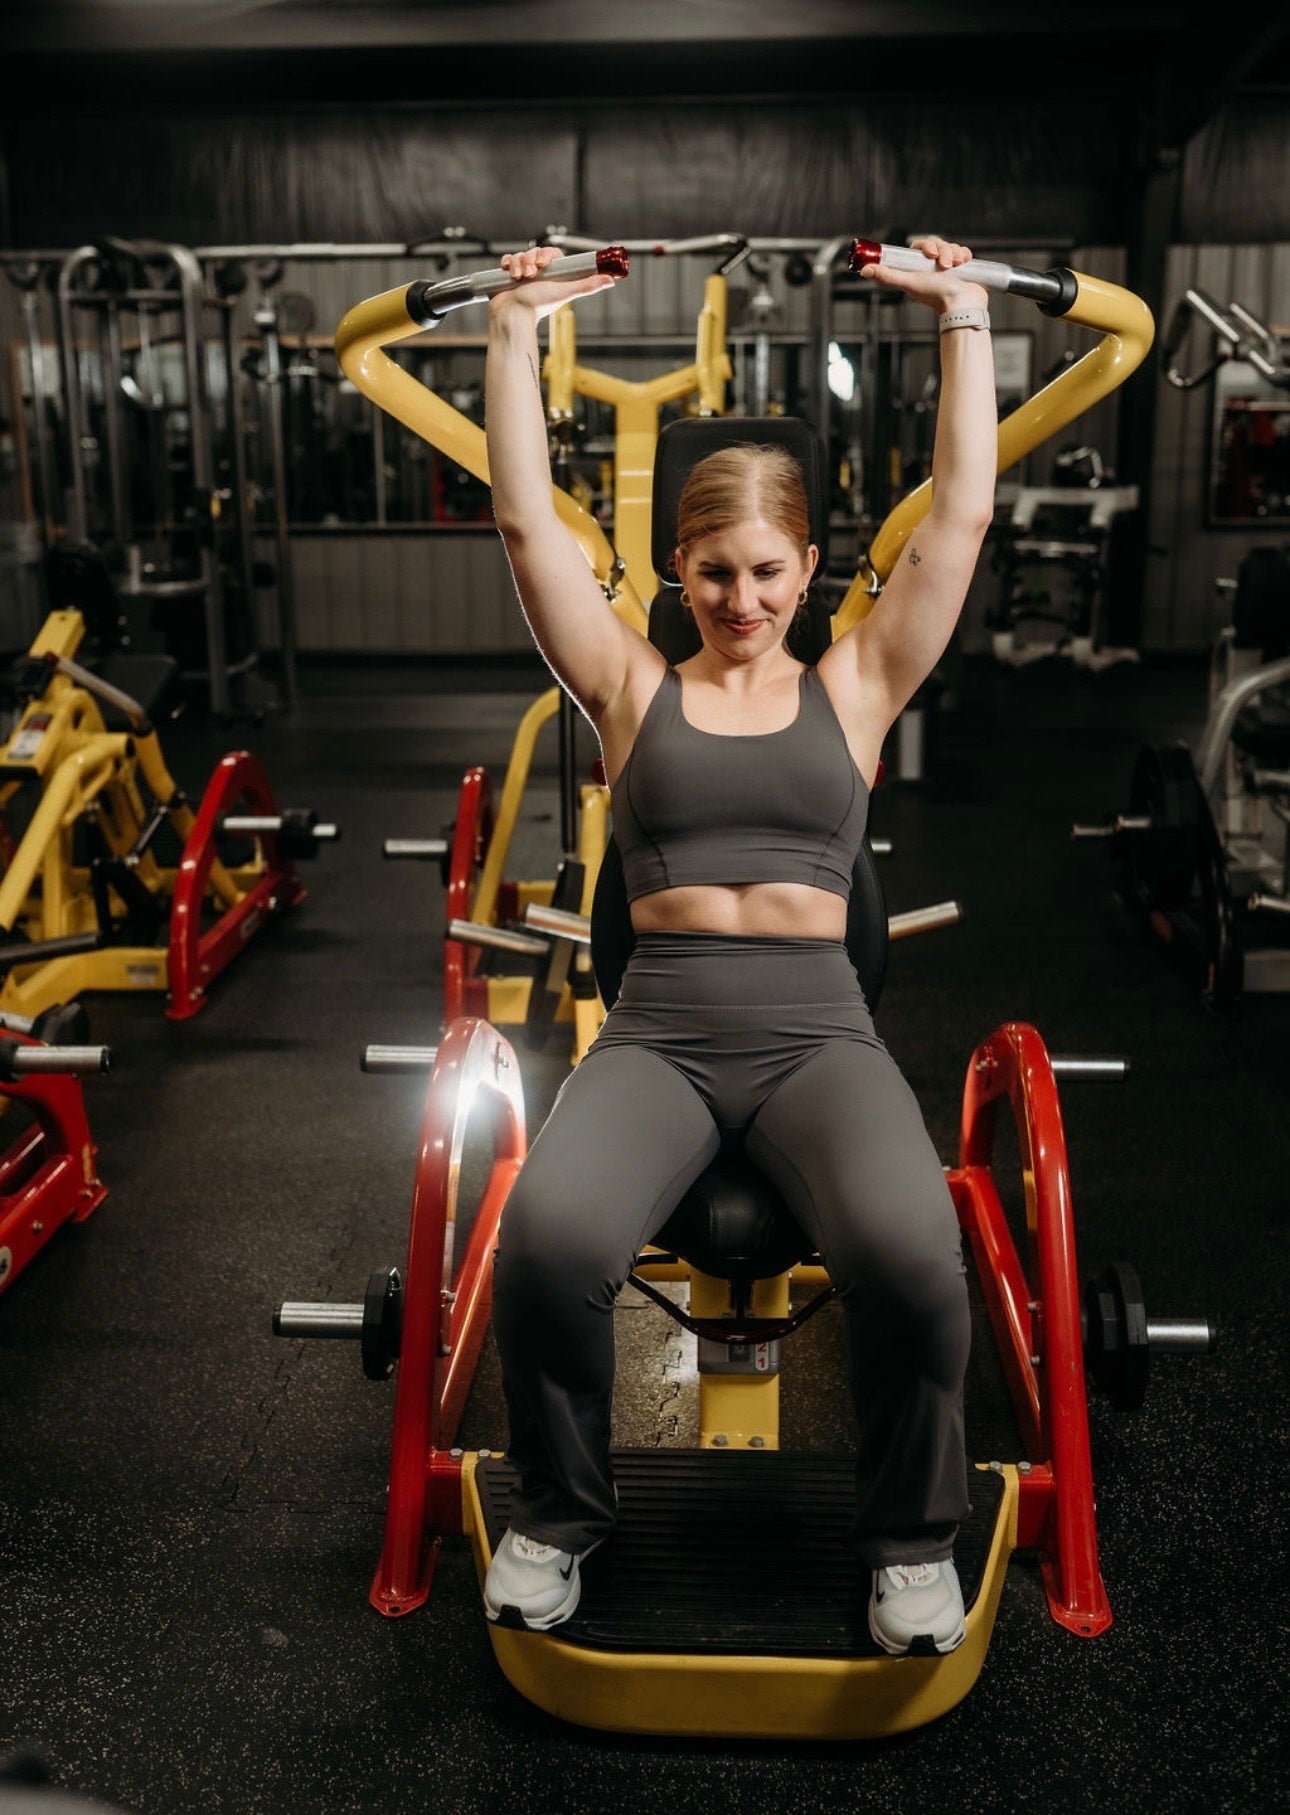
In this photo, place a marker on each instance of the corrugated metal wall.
(449, 589)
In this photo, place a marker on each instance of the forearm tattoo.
(532, 368)
(914, 556)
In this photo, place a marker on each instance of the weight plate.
(1161, 861)
(382, 1322)
(1116, 1347)
(1224, 960)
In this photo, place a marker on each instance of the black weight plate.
(1161, 861)
(1133, 1353)
(382, 1322)
(1224, 959)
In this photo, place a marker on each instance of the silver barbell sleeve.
(80, 1061)
(398, 1058)
(1071, 1066)
(1180, 1335)
(415, 847)
(923, 920)
(272, 822)
(331, 1321)
(497, 938)
(1123, 822)
(558, 921)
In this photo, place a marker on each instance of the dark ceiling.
(308, 52)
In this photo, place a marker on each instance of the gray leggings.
(713, 1036)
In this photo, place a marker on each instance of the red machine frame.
(48, 1175)
(196, 958)
(465, 991)
(1038, 1330)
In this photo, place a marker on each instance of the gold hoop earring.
(685, 599)
(801, 597)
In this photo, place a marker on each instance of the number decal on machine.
(28, 739)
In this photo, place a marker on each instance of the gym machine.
(182, 518)
(86, 804)
(672, 1635)
(48, 1172)
(1201, 853)
(551, 976)
(1070, 528)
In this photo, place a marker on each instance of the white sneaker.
(531, 1584)
(913, 1602)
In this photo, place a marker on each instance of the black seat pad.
(734, 1224)
(1262, 730)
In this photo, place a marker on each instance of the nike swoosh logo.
(566, 1573)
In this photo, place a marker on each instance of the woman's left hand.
(940, 288)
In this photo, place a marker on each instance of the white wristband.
(965, 318)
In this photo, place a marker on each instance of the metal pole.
(266, 320)
(45, 504)
(243, 506)
(822, 326)
(192, 305)
(78, 521)
(113, 371)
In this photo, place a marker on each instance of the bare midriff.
(759, 910)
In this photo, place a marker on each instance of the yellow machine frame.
(80, 767)
(625, 570)
(626, 574)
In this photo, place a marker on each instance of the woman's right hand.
(543, 299)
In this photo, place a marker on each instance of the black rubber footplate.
(742, 1552)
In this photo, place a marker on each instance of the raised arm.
(878, 665)
(586, 643)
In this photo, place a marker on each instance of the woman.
(740, 785)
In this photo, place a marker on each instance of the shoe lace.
(913, 1575)
(530, 1551)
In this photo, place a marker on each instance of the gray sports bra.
(695, 807)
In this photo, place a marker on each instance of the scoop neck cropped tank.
(693, 808)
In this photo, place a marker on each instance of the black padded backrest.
(681, 445)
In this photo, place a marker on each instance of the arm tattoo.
(532, 368)
(914, 556)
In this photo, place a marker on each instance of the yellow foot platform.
(729, 1603)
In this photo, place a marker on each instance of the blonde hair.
(738, 484)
